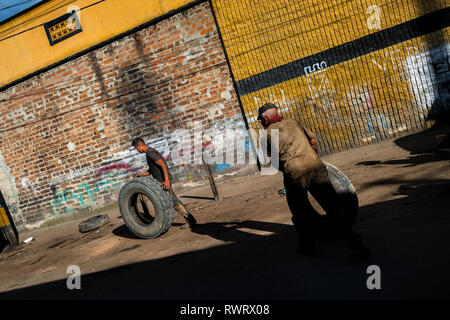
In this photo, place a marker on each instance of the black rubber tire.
(93, 223)
(162, 203)
(345, 190)
(10, 235)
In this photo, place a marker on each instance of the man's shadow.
(248, 230)
(232, 230)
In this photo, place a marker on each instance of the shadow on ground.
(3, 242)
(413, 160)
(198, 197)
(424, 147)
(427, 141)
(124, 232)
(409, 237)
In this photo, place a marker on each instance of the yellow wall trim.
(25, 49)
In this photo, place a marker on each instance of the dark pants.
(304, 215)
(178, 205)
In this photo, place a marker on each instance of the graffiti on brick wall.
(82, 197)
(135, 86)
(73, 174)
(114, 170)
(107, 181)
(92, 187)
(223, 138)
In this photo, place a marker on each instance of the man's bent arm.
(311, 138)
(164, 168)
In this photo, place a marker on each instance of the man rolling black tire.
(304, 171)
(159, 170)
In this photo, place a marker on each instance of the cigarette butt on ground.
(28, 240)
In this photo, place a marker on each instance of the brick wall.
(66, 133)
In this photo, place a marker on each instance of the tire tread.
(163, 196)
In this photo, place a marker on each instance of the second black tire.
(93, 223)
(345, 191)
(160, 199)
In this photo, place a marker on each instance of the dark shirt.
(154, 169)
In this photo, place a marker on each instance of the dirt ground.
(244, 246)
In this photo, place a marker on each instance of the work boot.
(354, 242)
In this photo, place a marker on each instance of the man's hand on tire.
(166, 184)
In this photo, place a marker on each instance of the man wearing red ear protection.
(303, 170)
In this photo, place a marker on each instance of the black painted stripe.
(428, 23)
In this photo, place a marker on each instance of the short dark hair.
(137, 141)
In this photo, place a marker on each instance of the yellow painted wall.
(30, 51)
(4, 221)
(353, 103)
(338, 102)
(273, 33)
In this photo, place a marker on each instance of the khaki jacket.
(297, 157)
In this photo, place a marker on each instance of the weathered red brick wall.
(66, 133)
